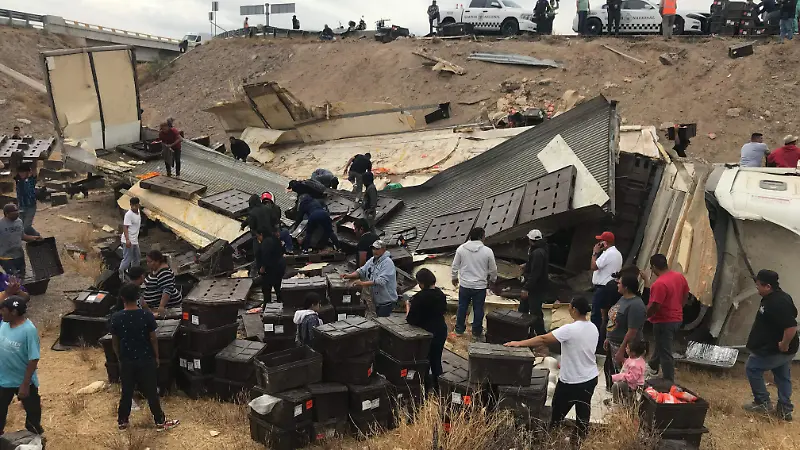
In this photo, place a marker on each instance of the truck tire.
(594, 27)
(509, 27)
(447, 21)
(678, 29)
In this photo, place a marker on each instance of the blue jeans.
(466, 296)
(320, 219)
(780, 365)
(131, 257)
(383, 310)
(664, 335)
(596, 315)
(286, 237)
(787, 29)
(27, 214)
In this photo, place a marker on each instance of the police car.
(642, 17)
(492, 16)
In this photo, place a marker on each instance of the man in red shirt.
(668, 294)
(786, 156)
(171, 139)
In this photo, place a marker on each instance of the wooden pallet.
(173, 187)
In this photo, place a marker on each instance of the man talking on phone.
(606, 261)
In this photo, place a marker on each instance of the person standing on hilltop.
(583, 15)
(668, 10)
(295, 23)
(614, 8)
(433, 14)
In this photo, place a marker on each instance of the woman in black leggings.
(577, 378)
(426, 310)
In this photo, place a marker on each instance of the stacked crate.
(505, 325)
(717, 20)
(348, 349)
(527, 404)
(739, 19)
(208, 325)
(167, 334)
(344, 297)
(679, 421)
(89, 320)
(402, 359)
(284, 379)
(235, 371)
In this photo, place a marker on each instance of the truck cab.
(492, 16)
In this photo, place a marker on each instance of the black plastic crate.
(294, 408)
(371, 398)
(230, 391)
(94, 303)
(355, 370)
(167, 332)
(207, 341)
(526, 403)
(402, 341)
(346, 338)
(679, 416)
(345, 312)
(740, 50)
(330, 429)
(342, 292)
(44, 259)
(405, 401)
(402, 259)
(401, 372)
(77, 330)
(457, 392)
(279, 343)
(509, 325)
(496, 364)
(294, 290)
(197, 363)
(276, 438)
(365, 424)
(207, 317)
(278, 321)
(330, 401)
(108, 348)
(289, 369)
(194, 385)
(451, 361)
(235, 362)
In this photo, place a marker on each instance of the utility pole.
(266, 11)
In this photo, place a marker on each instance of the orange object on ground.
(148, 175)
(682, 395)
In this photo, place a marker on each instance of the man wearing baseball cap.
(380, 275)
(19, 358)
(606, 261)
(786, 156)
(773, 343)
(536, 280)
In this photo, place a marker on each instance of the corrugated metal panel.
(221, 173)
(590, 130)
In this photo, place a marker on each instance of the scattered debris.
(108, 229)
(510, 86)
(2, 101)
(24, 121)
(712, 136)
(624, 55)
(74, 219)
(473, 101)
(610, 85)
(734, 112)
(544, 82)
(767, 113)
(441, 64)
(213, 433)
(93, 388)
(740, 50)
(503, 58)
(58, 198)
(627, 80)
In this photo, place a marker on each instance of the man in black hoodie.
(536, 280)
(271, 265)
(260, 220)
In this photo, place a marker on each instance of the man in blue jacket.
(380, 275)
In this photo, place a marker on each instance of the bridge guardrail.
(10, 14)
(75, 23)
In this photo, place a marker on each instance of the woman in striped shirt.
(160, 291)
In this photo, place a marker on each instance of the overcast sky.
(174, 18)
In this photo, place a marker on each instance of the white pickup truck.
(493, 16)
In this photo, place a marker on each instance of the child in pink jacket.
(632, 376)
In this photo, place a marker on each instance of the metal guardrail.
(75, 23)
(7, 13)
(261, 31)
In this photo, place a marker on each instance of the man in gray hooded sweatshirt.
(474, 268)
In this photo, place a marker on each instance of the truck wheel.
(509, 27)
(678, 28)
(594, 27)
(448, 21)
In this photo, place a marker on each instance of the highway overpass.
(148, 47)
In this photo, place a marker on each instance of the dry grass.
(75, 405)
(131, 439)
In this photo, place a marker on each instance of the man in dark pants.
(773, 343)
(133, 332)
(614, 8)
(433, 15)
(171, 140)
(239, 149)
(19, 358)
(12, 233)
(355, 169)
(271, 266)
(668, 294)
(370, 201)
(295, 23)
(536, 280)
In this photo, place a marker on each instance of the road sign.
(215, 6)
(282, 8)
(252, 10)
(210, 16)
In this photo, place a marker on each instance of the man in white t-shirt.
(606, 261)
(131, 256)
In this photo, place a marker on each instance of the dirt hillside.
(701, 86)
(19, 50)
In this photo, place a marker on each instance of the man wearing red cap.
(606, 261)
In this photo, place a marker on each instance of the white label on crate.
(456, 398)
(298, 410)
(195, 320)
(278, 329)
(366, 405)
(376, 403)
(189, 365)
(182, 362)
(269, 327)
(197, 364)
(346, 299)
(410, 374)
(342, 316)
